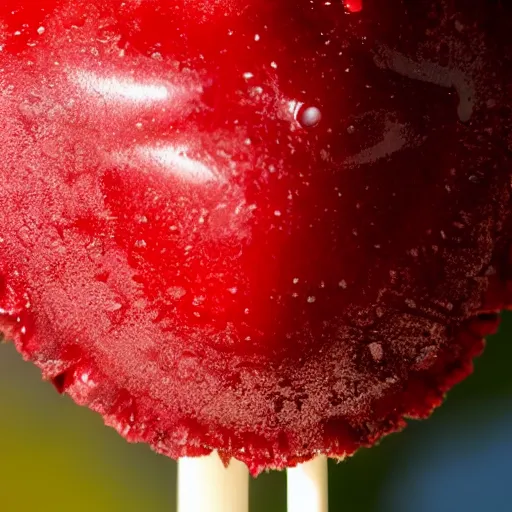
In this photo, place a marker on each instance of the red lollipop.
(274, 229)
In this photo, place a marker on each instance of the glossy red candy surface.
(273, 228)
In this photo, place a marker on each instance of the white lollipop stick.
(205, 485)
(307, 486)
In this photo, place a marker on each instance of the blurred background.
(55, 456)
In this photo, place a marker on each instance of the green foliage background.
(55, 456)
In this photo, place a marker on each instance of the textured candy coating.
(270, 228)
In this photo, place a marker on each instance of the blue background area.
(461, 464)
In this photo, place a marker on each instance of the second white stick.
(307, 486)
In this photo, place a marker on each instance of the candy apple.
(272, 228)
